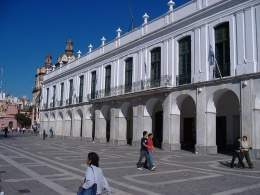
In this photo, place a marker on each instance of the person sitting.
(94, 182)
(245, 151)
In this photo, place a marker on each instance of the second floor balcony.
(139, 86)
(164, 81)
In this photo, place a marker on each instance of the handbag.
(90, 191)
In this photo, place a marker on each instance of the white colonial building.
(191, 76)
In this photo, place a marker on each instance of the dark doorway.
(71, 127)
(221, 134)
(189, 134)
(158, 129)
(129, 126)
(10, 124)
(81, 126)
(108, 130)
(93, 128)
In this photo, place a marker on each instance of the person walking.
(143, 153)
(237, 153)
(44, 134)
(6, 131)
(245, 150)
(150, 148)
(94, 181)
(51, 132)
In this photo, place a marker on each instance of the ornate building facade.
(190, 76)
(36, 93)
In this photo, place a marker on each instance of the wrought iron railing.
(164, 81)
(138, 86)
(183, 79)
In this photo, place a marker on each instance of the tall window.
(108, 81)
(128, 74)
(81, 84)
(54, 96)
(185, 60)
(61, 93)
(71, 91)
(155, 67)
(93, 84)
(222, 50)
(47, 100)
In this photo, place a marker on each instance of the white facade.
(190, 108)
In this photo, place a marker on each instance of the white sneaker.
(153, 168)
(140, 168)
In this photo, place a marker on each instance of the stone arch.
(154, 107)
(78, 123)
(60, 124)
(60, 116)
(45, 121)
(46, 117)
(68, 123)
(187, 109)
(256, 125)
(52, 122)
(90, 123)
(223, 112)
(127, 111)
(106, 112)
(52, 116)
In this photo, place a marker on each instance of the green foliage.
(23, 120)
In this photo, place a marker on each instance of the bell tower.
(69, 48)
(47, 62)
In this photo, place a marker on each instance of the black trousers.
(237, 154)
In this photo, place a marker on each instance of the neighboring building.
(7, 114)
(190, 76)
(24, 106)
(36, 94)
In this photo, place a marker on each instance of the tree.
(23, 120)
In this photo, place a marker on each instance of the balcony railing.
(183, 79)
(164, 81)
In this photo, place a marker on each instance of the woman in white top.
(94, 175)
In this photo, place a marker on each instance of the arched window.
(184, 60)
(155, 67)
(222, 50)
(128, 74)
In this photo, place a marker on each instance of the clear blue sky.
(30, 29)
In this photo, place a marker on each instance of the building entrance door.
(158, 129)
(221, 133)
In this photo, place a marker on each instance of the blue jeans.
(151, 158)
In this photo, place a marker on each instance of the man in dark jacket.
(237, 153)
(143, 151)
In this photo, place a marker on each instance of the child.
(150, 148)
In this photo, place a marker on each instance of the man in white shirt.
(245, 151)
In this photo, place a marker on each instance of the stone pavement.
(56, 166)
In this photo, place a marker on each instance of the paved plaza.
(30, 165)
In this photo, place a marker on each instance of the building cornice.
(167, 90)
(198, 18)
